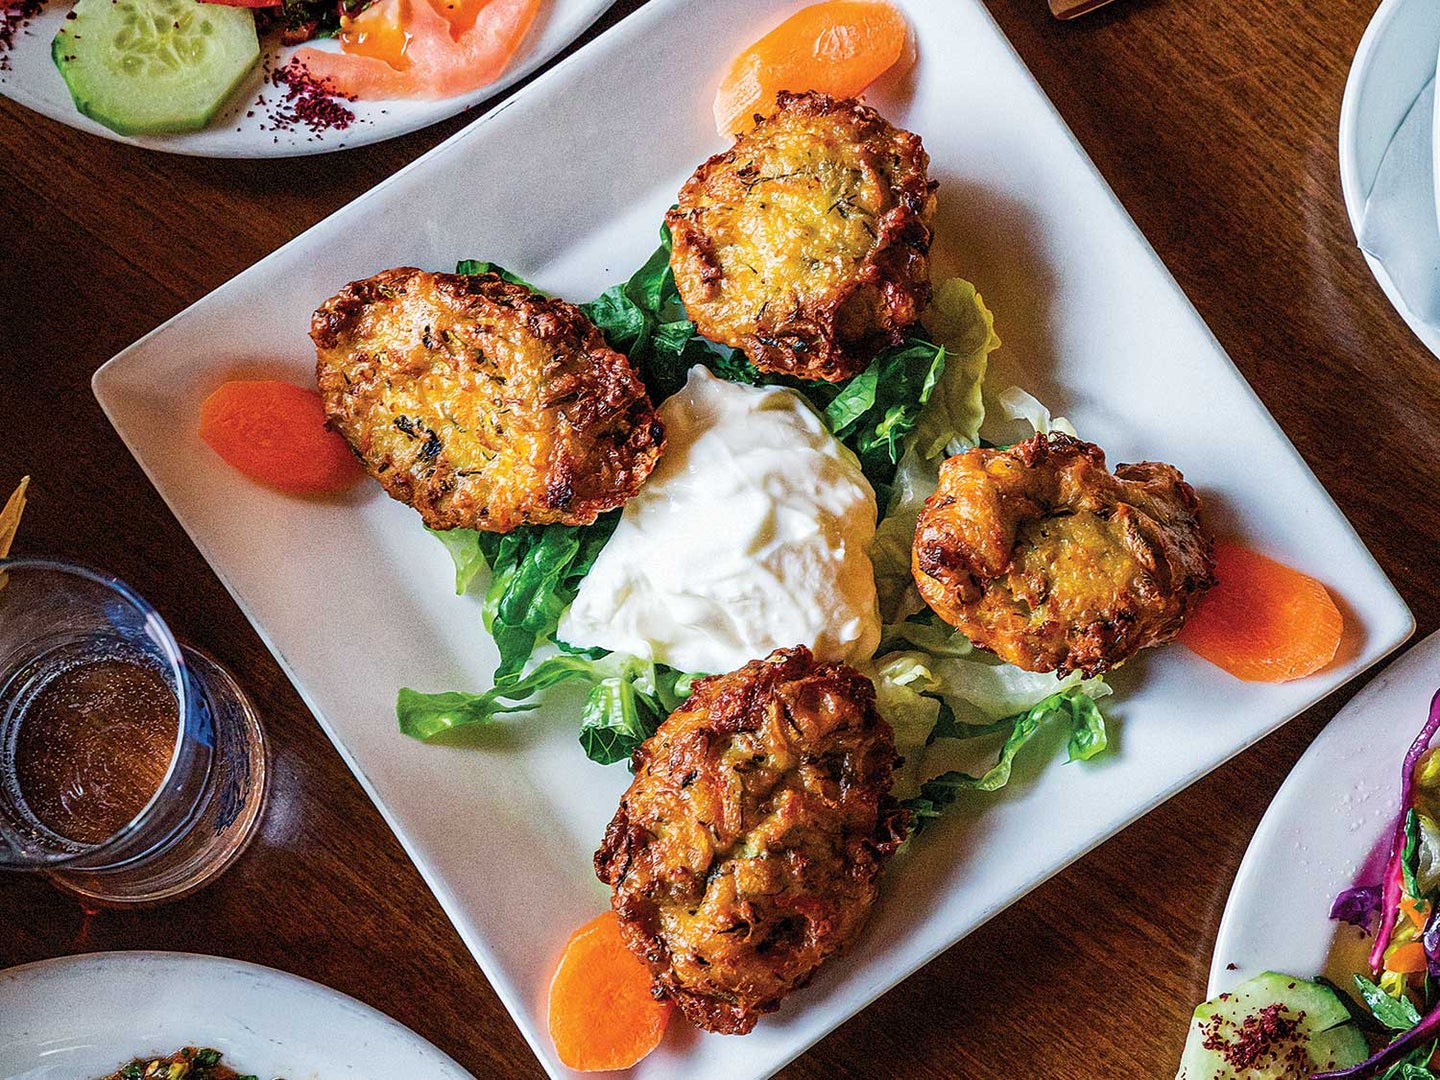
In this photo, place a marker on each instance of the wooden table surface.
(1215, 122)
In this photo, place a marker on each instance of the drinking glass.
(132, 768)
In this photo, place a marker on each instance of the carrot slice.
(1263, 622)
(275, 433)
(1407, 959)
(838, 47)
(601, 1013)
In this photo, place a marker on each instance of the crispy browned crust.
(480, 403)
(746, 850)
(806, 244)
(1040, 555)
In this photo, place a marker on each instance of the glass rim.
(179, 668)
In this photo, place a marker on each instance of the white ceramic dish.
(87, 1015)
(1396, 58)
(567, 185)
(1335, 808)
(247, 129)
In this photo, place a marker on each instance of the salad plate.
(567, 186)
(87, 1015)
(1394, 61)
(254, 124)
(1328, 826)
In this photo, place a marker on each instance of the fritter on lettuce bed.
(1040, 555)
(480, 403)
(807, 243)
(745, 853)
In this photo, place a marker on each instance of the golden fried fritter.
(807, 243)
(746, 850)
(1040, 555)
(480, 403)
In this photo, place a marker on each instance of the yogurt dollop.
(752, 534)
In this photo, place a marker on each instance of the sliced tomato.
(423, 48)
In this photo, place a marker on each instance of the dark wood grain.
(1216, 125)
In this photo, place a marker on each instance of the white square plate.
(566, 184)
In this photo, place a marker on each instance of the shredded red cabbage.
(1358, 906)
(1393, 879)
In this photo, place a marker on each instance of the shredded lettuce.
(645, 319)
(465, 550)
(1019, 405)
(535, 572)
(1087, 738)
(423, 716)
(628, 698)
(959, 320)
(925, 697)
(623, 710)
(949, 422)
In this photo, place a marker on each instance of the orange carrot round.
(275, 433)
(601, 1013)
(1263, 622)
(1407, 959)
(838, 47)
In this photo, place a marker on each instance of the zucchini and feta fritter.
(1039, 554)
(480, 403)
(746, 851)
(806, 244)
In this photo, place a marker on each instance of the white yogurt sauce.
(752, 534)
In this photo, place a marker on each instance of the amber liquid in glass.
(93, 746)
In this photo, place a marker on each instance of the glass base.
(224, 819)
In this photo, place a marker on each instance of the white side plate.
(1323, 827)
(567, 185)
(88, 1015)
(1394, 61)
(247, 129)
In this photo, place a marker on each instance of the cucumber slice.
(1306, 1028)
(146, 67)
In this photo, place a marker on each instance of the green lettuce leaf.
(1087, 728)
(645, 319)
(874, 412)
(1018, 404)
(1413, 1066)
(967, 694)
(423, 716)
(465, 550)
(1396, 1013)
(1073, 707)
(1410, 855)
(949, 421)
(628, 699)
(623, 710)
(926, 631)
(535, 572)
(890, 551)
(959, 320)
(906, 696)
